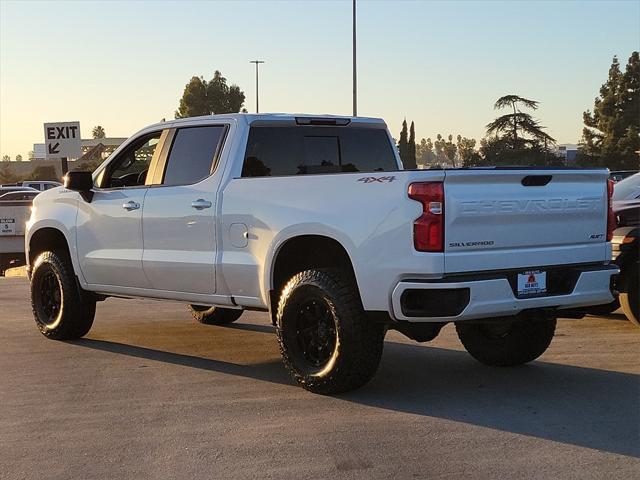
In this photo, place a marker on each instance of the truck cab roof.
(286, 118)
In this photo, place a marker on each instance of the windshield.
(627, 189)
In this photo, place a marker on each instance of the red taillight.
(611, 217)
(428, 229)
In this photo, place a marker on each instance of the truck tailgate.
(524, 218)
(13, 217)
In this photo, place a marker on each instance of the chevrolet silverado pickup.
(313, 219)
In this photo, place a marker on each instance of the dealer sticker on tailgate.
(7, 226)
(532, 282)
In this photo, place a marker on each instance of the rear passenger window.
(299, 150)
(192, 154)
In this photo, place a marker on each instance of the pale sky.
(124, 64)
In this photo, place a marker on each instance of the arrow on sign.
(54, 148)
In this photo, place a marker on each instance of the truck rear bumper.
(487, 297)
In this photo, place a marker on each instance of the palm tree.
(98, 132)
(518, 124)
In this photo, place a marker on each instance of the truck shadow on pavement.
(574, 405)
(579, 406)
(267, 371)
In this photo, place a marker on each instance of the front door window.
(131, 167)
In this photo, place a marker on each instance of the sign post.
(62, 140)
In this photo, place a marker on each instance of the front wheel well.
(47, 239)
(307, 252)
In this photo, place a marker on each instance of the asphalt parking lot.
(149, 393)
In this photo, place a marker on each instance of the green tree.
(18, 158)
(6, 158)
(450, 149)
(438, 147)
(403, 143)
(194, 99)
(424, 152)
(496, 151)
(611, 136)
(98, 132)
(223, 98)
(467, 153)
(516, 138)
(445, 150)
(411, 148)
(205, 98)
(517, 125)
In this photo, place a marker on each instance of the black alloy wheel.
(315, 332)
(48, 298)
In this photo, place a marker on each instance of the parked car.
(13, 188)
(625, 247)
(40, 185)
(313, 220)
(18, 195)
(15, 208)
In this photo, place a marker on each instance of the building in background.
(568, 151)
(102, 146)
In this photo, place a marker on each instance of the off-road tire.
(357, 340)
(629, 299)
(524, 340)
(74, 316)
(214, 315)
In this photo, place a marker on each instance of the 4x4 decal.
(387, 179)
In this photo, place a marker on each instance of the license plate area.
(531, 283)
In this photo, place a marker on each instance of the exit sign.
(62, 140)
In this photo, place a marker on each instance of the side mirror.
(80, 182)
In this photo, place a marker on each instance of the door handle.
(131, 205)
(200, 204)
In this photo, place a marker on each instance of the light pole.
(355, 75)
(257, 62)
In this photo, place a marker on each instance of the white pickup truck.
(313, 219)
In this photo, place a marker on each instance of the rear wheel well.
(307, 252)
(47, 239)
